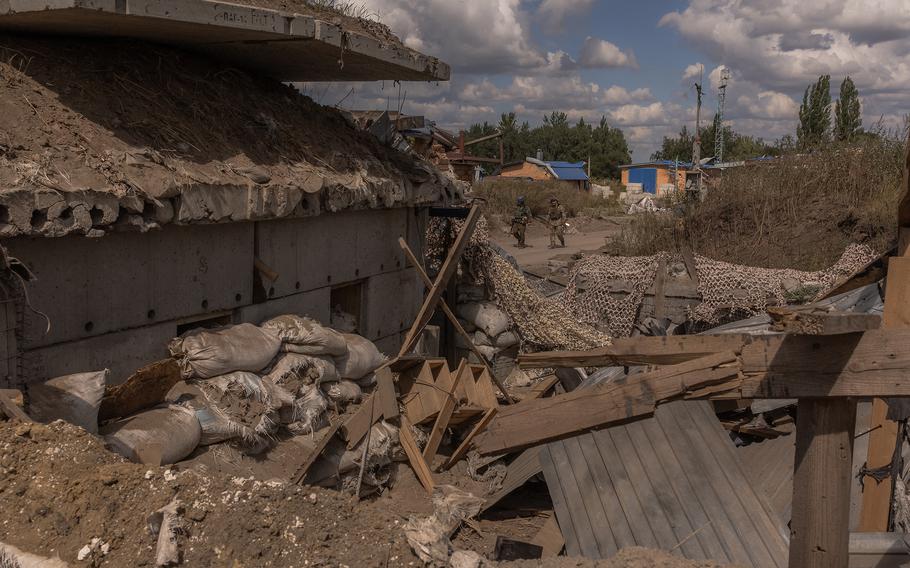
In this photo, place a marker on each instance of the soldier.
(557, 218)
(520, 221)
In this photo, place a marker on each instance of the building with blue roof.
(572, 173)
(656, 176)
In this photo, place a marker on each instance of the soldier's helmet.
(521, 200)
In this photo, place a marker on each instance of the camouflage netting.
(542, 323)
(605, 293)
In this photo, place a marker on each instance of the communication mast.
(721, 99)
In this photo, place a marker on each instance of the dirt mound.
(145, 124)
(59, 489)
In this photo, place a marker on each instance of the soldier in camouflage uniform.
(556, 216)
(520, 221)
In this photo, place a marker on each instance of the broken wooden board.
(550, 538)
(476, 388)
(145, 388)
(813, 320)
(388, 399)
(465, 445)
(358, 424)
(447, 386)
(643, 350)
(448, 269)
(421, 469)
(419, 394)
(10, 409)
(330, 432)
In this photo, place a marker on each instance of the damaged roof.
(104, 134)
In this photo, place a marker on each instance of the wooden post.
(820, 523)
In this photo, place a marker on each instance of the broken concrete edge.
(49, 213)
(266, 24)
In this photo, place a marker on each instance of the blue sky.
(635, 61)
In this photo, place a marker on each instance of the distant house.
(572, 173)
(657, 176)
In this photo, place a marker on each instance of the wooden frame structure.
(831, 360)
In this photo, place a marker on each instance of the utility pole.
(719, 133)
(696, 145)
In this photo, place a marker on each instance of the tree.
(815, 114)
(847, 112)
(737, 146)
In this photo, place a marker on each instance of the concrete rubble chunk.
(285, 46)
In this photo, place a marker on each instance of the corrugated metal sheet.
(647, 177)
(672, 481)
(569, 171)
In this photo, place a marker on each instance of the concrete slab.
(288, 47)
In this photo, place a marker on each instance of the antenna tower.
(719, 133)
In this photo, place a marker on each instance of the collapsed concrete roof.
(284, 45)
(99, 135)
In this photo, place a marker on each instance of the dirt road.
(588, 239)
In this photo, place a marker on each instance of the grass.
(799, 211)
(501, 194)
(345, 8)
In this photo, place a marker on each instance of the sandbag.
(12, 557)
(172, 430)
(309, 411)
(486, 316)
(206, 353)
(254, 387)
(295, 370)
(362, 358)
(73, 398)
(343, 391)
(216, 427)
(306, 336)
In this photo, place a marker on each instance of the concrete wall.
(115, 301)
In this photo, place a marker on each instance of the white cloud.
(694, 71)
(597, 53)
(553, 13)
(769, 105)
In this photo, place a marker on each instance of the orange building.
(657, 176)
(572, 173)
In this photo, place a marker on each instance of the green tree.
(848, 121)
(815, 114)
(736, 146)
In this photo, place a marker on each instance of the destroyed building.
(156, 175)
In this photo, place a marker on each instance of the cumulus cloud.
(553, 13)
(599, 53)
(694, 71)
(769, 105)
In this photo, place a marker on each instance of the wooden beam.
(534, 422)
(317, 451)
(421, 469)
(820, 524)
(883, 438)
(469, 439)
(358, 424)
(644, 350)
(660, 289)
(445, 413)
(813, 320)
(449, 267)
(388, 400)
(453, 319)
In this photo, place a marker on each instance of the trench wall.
(114, 302)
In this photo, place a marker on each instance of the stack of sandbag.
(159, 436)
(207, 353)
(489, 328)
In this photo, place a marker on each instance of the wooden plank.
(143, 389)
(575, 499)
(702, 483)
(642, 350)
(522, 468)
(707, 536)
(560, 503)
(820, 527)
(317, 451)
(445, 413)
(358, 424)
(689, 260)
(813, 320)
(11, 410)
(535, 421)
(876, 500)
(550, 538)
(388, 400)
(594, 512)
(770, 533)
(420, 397)
(453, 319)
(469, 439)
(658, 480)
(542, 388)
(421, 469)
(660, 285)
(606, 492)
(448, 269)
(655, 514)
